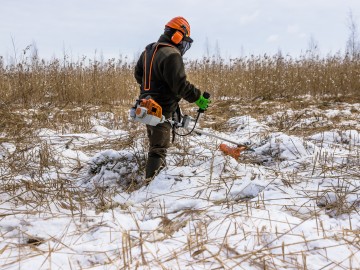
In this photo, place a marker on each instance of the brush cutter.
(228, 150)
(148, 112)
(234, 151)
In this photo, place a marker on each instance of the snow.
(291, 203)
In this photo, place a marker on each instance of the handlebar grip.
(206, 95)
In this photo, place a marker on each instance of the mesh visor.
(184, 46)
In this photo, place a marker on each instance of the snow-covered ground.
(293, 203)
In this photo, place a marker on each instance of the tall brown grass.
(61, 81)
(271, 77)
(33, 81)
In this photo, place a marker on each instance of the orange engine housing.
(153, 108)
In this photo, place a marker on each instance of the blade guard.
(232, 151)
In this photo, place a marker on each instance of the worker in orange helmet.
(161, 74)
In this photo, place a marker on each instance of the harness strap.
(149, 57)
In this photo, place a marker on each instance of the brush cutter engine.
(147, 111)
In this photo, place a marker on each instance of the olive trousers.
(159, 142)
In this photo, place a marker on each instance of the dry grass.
(64, 97)
(34, 82)
(42, 197)
(271, 77)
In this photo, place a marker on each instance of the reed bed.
(33, 81)
(60, 81)
(270, 77)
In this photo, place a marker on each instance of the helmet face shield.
(184, 45)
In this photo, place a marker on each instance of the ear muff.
(177, 37)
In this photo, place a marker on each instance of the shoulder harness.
(149, 56)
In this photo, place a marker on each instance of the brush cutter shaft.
(216, 136)
(185, 125)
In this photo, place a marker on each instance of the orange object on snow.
(232, 151)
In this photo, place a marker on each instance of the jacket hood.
(166, 39)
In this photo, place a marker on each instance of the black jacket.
(168, 79)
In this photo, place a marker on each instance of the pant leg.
(159, 142)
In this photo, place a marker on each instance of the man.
(161, 74)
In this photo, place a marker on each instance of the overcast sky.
(123, 27)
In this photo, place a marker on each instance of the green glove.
(202, 103)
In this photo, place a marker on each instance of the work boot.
(153, 166)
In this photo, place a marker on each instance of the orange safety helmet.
(183, 29)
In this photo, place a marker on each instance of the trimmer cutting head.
(234, 151)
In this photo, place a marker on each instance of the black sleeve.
(175, 77)
(139, 69)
